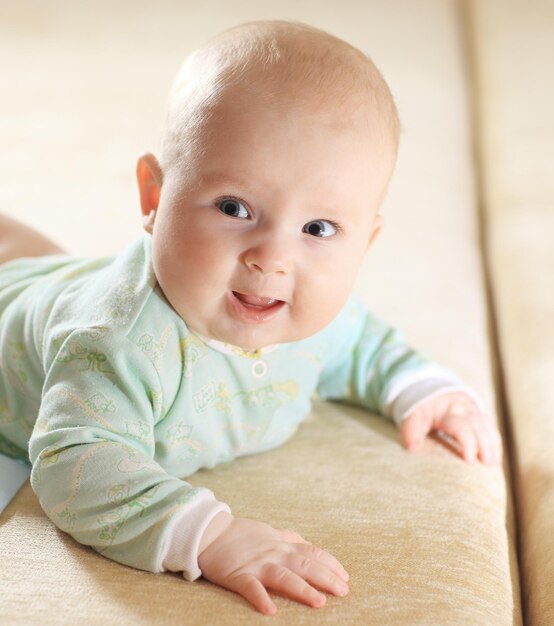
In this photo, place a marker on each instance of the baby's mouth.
(254, 308)
(255, 301)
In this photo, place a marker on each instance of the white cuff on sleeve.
(406, 407)
(414, 389)
(180, 551)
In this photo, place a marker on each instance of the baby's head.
(277, 150)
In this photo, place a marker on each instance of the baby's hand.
(458, 417)
(249, 557)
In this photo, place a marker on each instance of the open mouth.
(254, 308)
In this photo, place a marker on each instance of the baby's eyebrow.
(212, 179)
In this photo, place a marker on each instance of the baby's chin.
(241, 341)
(262, 341)
(251, 337)
(248, 341)
(251, 343)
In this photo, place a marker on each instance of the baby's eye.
(233, 208)
(320, 228)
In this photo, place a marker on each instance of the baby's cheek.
(318, 307)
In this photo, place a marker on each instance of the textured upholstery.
(422, 537)
(514, 42)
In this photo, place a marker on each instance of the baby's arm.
(93, 450)
(374, 367)
(248, 557)
(94, 472)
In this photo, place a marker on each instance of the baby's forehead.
(281, 65)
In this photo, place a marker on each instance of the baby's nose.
(269, 258)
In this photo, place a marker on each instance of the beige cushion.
(424, 537)
(515, 47)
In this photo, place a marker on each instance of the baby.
(207, 338)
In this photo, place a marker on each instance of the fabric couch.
(462, 266)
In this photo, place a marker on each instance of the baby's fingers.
(250, 588)
(322, 558)
(287, 583)
(490, 445)
(414, 429)
(281, 580)
(467, 439)
(317, 575)
(476, 439)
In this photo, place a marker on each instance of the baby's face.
(263, 243)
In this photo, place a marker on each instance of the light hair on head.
(279, 62)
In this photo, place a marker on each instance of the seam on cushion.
(468, 19)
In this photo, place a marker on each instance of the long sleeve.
(93, 455)
(371, 365)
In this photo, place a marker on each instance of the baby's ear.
(376, 228)
(149, 180)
